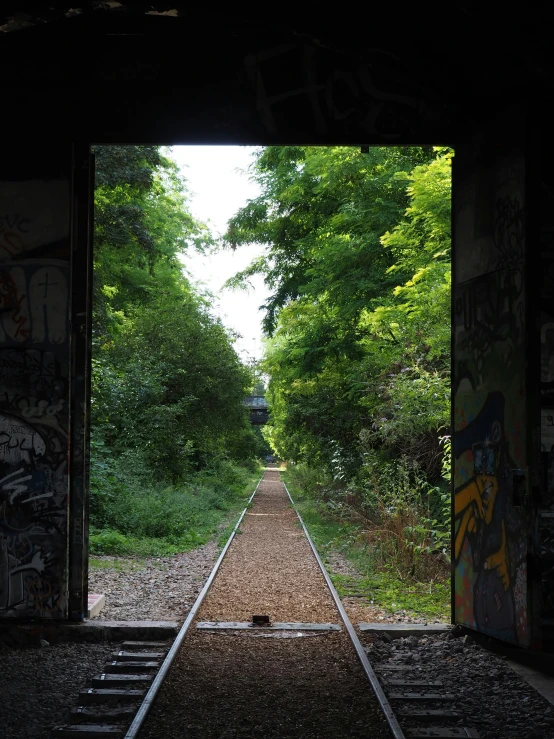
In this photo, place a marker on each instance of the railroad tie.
(93, 731)
(457, 732)
(101, 714)
(415, 683)
(136, 666)
(123, 656)
(421, 695)
(110, 695)
(110, 680)
(432, 715)
(161, 645)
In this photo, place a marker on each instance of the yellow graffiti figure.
(499, 561)
(474, 502)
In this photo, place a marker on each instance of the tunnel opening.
(373, 322)
(252, 86)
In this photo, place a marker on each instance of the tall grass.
(390, 523)
(406, 520)
(134, 513)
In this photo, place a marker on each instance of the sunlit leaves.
(168, 385)
(322, 213)
(361, 308)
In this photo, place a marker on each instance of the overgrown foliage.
(167, 384)
(358, 326)
(396, 539)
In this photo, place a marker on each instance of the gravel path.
(157, 588)
(233, 685)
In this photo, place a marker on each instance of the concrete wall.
(490, 392)
(34, 391)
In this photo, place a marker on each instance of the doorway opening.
(352, 249)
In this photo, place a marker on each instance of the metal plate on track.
(277, 626)
(413, 683)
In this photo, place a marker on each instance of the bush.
(391, 510)
(109, 542)
(408, 520)
(132, 512)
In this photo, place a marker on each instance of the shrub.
(128, 504)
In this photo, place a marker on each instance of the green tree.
(168, 385)
(322, 213)
(358, 249)
(407, 336)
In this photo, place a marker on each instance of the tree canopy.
(358, 262)
(168, 385)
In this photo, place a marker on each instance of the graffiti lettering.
(14, 487)
(331, 93)
(11, 245)
(11, 241)
(16, 445)
(509, 233)
(15, 318)
(33, 304)
(30, 371)
(42, 408)
(34, 213)
(34, 375)
(15, 222)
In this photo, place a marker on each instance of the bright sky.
(218, 189)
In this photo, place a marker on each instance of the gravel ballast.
(232, 685)
(157, 588)
(488, 694)
(40, 684)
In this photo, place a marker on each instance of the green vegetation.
(161, 520)
(357, 355)
(358, 347)
(173, 451)
(377, 581)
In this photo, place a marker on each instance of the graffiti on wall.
(34, 373)
(490, 544)
(332, 91)
(33, 214)
(489, 548)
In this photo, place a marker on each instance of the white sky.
(217, 191)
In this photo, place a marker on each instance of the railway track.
(119, 701)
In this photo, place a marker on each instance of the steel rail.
(368, 669)
(149, 698)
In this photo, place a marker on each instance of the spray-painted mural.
(34, 368)
(490, 477)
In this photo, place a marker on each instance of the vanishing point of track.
(271, 575)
